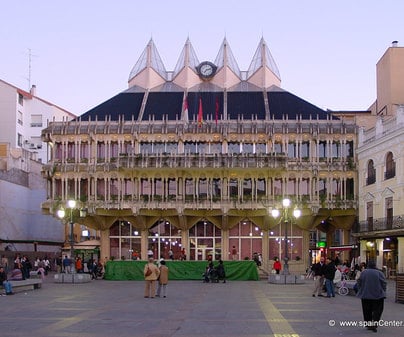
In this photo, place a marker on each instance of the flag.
(200, 113)
(185, 110)
(217, 110)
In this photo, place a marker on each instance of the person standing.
(277, 266)
(66, 264)
(329, 275)
(234, 253)
(4, 263)
(372, 287)
(151, 274)
(6, 284)
(318, 275)
(162, 280)
(221, 273)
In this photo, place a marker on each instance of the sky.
(80, 53)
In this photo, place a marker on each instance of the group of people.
(371, 287)
(214, 273)
(152, 274)
(21, 270)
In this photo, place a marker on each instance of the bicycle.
(343, 289)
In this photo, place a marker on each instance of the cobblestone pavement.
(191, 309)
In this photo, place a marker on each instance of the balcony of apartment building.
(373, 226)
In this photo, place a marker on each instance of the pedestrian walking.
(162, 280)
(318, 276)
(151, 274)
(372, 287)
(329, 275)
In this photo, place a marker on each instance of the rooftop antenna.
(29, 67)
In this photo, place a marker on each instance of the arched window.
(371, 178)
(390, 166)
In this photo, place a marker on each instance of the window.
(145, 148)
(260, 148)
(234, 148)
(305, 151)
(369, 215)
(20, 99)
(158, 147)
(389, 212)
(19, 139)
(390, 167)
(322, 149)
(292, 150)
(371, 178)
(215, 148)
(278, 147)
(20, 118)
(349, 149)
(36, 121)
(190, 147)
(336, 149)
(247, 148)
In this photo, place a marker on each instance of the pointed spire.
(225, 58)
(187, 58)
(263, 59)
(150, 58)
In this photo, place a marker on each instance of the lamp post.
(285, 217)
(61, 214)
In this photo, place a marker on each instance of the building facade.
(381, 169)
(192, 161)
(23, 227)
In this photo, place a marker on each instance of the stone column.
(225, 245)
(105, 249)
(379, 254)
(185, 241)
(265, 250)
(144, 243)
(400, 255)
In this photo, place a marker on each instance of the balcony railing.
(165, 160)
(380, 224)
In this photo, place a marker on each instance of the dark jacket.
(329, 272)
(3, 277)
(371, 284)
(318, 269)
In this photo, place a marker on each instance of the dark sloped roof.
(161, 104)
(283, 103)
(247, 105)
(210, 102)
(240, 104)
(123, 104)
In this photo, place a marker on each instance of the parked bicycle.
(343, 289)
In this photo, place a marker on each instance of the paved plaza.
(243, 308)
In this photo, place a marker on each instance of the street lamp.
(61, 214)
(285, 217)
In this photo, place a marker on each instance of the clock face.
(206, 70)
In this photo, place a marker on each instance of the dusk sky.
(83, 51)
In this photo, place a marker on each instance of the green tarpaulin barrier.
(181, 270)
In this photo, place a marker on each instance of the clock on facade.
(206, 70)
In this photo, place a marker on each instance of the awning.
(344, 247)
(89, 244)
